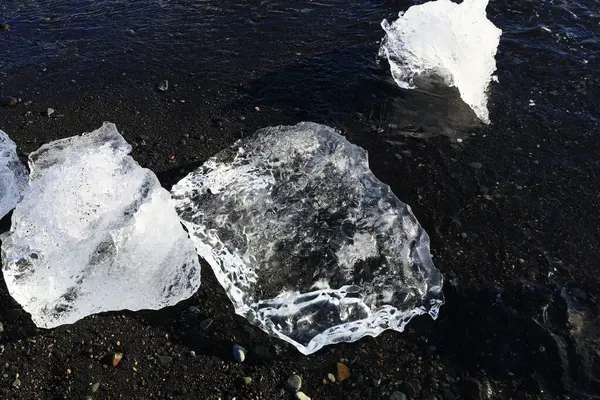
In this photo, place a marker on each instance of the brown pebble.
(343, 372)
(9, 101)
(116, 359)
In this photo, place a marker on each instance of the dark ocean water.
(320, 52)
(316, 60)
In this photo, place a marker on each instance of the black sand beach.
(512, 208)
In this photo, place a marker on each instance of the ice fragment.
(455, 42)
(13, 175)
(95, 232)
(308, 244)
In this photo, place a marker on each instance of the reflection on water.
(432, 109)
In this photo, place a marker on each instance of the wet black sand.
(513, 212)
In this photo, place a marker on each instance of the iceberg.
(13, 175)
(95, 232)
(308, 244)
(442, 39)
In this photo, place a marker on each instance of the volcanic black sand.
(512, 209)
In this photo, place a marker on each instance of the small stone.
(294, 382)
(9, 101)
(576, 292)
(116, 359)
(49, 111)
(343, 372)
(239, 353)
(163, 86)
(247, 380)
(409, 389)
(242, 118)
(448, 395)
(301, 396)
(476, 165)
(471, 389)
(95, 387)
(331, 377)
(4, 27)
(193, 353)
(130, 32)
(206, 323)
(398, 396)
(194, 310)
(16, 383)
(165, 360)
(1, 327)
(14, 314)
(88, 398)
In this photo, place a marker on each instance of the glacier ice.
(13, 175)
(308, 244)
(455, 42)
(95, 232)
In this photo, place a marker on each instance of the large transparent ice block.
(307, 242)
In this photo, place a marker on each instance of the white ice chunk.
(307, 243)
(455, 42)
(13, 175)
(95, 232)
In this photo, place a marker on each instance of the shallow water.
(319, 56)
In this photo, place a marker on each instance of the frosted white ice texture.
(455, 42)
(13, 175)
(307, 243)
(95, 232)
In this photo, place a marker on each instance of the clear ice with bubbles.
(13, 175)
(95, 232)
(454, 42)
(308, 244)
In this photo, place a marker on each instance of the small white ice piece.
(95, 232)
(13, 175)
(455, 42)
(308, 244)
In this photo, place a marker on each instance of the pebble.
(95, 387)
(116, 359)
(9, 101)
(49, 111)
(163, 86)
(294, 382)
(331, 377)
(194, 310)
(17, 383)
(409, 389)
(576, 292)
(239, 353)
(301, 396)
(1, 327)
(247, 380)
(343, 372)
(4, 27)
(165, 360)
(398, 396)
(470, 389)
(193, 353)
(206, 323)
(476, 165)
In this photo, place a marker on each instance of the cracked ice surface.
(13, 175)
(95, 232)
(453, 41)
(308, 244)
